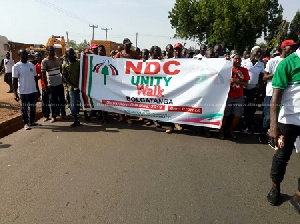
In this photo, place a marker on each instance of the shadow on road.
(4, 146)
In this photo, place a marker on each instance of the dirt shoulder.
(9, 108)
(10, 111)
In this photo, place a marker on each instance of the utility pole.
(93, 26)
(106, 29)
(67, 37)
(136, 37)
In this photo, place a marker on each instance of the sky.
(34, 21)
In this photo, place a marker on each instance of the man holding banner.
(71, 72)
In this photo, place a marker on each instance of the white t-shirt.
(8, 64)
(271, 68)
(254, 71)
(26, 73)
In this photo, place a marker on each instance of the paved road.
(115, 174)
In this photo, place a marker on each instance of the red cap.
(288, 43)
(178, 45)
(93, 46)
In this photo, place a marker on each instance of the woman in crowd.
(235, 100)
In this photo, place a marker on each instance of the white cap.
(255, 47)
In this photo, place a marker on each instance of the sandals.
(170, 130)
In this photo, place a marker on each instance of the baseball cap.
(255, 47)
(288, 43)
(178, 45)
(93, 46)
(127, 41)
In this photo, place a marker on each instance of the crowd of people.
(255, 78)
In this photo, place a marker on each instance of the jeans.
(266, 119)
(250, 107)
(282, 155)
(45, 103)
(57, 100)
(28, 100)
(74, 102)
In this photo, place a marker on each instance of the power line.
(63, 11)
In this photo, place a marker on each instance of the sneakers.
(26, 127)
(149, 123)
(53, 120)
(274, 196)
(46, 119)
(170, 130)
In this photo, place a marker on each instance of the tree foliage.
(75, 46)
(236, 23)
(295, 27)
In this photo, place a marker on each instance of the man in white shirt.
(256, 71)
(24, 76)
(8, 64)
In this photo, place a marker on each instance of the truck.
(58, 42)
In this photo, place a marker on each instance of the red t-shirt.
(236, 90)
(38, 68)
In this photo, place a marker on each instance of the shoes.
(10, 91)
(274, 196)
(33, 124)
(170, 130)
(295, 202)
(262, 138)
(46, 119)
(232, 135)
(157, 125)
(86, 116)
(26, 127)
(53, 120)
(222, 136)
(65, 118)
(149, 123)
(207, 133)
(75, 123)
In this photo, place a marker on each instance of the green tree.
(275, 23)
(282, 34)
(236, 23)
(72, 44)
(83, 45)
(295, 27)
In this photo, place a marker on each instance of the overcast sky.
(34, 21)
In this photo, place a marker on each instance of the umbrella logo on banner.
(105, 68)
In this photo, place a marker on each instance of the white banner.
(183, 91)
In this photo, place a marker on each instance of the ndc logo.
(105, 68)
